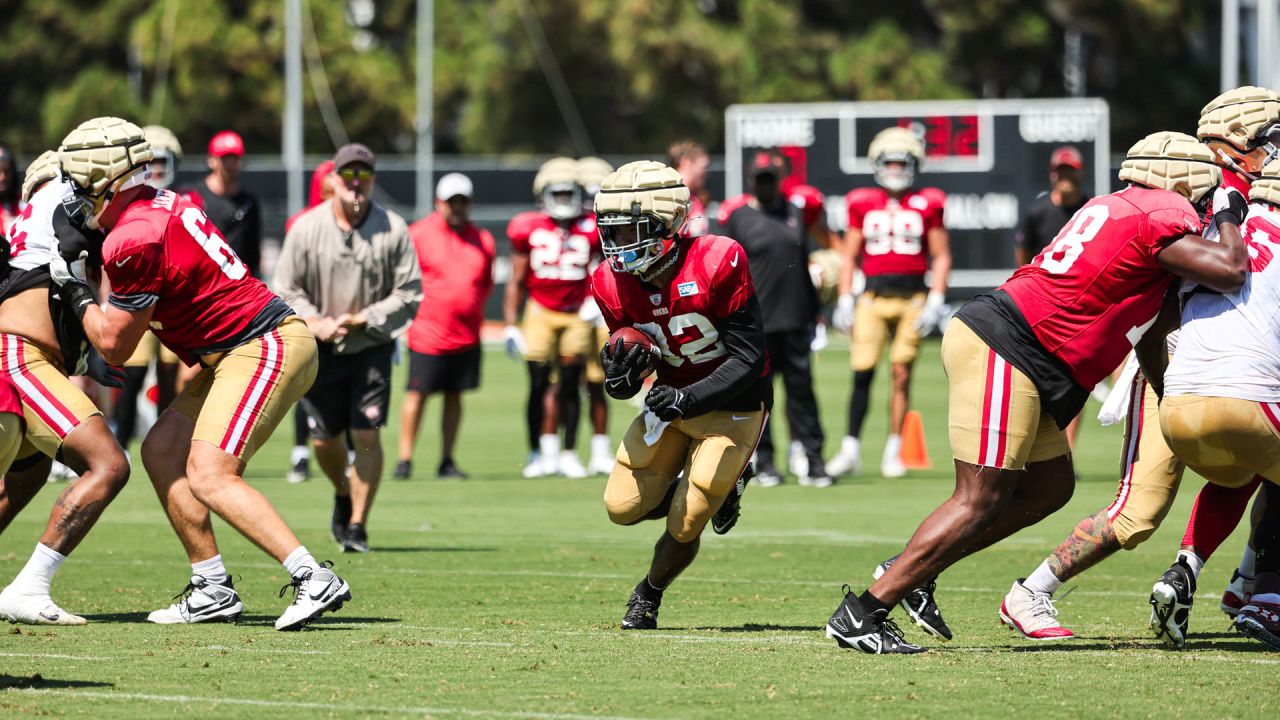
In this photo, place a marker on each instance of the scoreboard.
(991, 157)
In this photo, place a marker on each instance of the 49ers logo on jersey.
(557, 255)
(899, 231)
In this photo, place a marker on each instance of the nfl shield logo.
(656, 298)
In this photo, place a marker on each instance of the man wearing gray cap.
(456, 259)
(348, 268)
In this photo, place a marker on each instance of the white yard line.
(229, 648)
(292, 705)
(52, 656)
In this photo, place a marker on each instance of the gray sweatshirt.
(325, 271)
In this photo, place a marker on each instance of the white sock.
(1248, 562)
(212, 570)
(850, 446)
(1193, 561)
(1042, 581)
(1272, 598)
(300, 453)
(601, 447)
(893, 447)
(549, 446)
(300, 561)
(37, 574)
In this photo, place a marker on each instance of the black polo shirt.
(1042, 222)
(775, 240)
(239, 219)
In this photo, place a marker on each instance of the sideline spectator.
(300, 457)
(10, 187)
(691, 160)
(456, 260)
(772, 232)
(234, 211)
(348, 268)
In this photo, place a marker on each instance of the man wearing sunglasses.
(348, 267)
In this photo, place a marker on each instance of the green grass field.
(501, 597)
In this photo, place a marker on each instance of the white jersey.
(1230, 342)
(31, 239)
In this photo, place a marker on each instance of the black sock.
(649, 590)
(871, 602)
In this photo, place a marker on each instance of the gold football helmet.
(639, 211)
(1267, 187)
(1172, 161)
(557, 190)
(103, 157)
(896, 144)
(1242, 127)
(40, 171)
(167, 150)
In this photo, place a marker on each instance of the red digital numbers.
(945, 135)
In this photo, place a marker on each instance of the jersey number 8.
(1065, 250)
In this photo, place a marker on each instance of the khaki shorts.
(550, 334)
(1149, 471)
(151, 347)
(51, 404)
(994, 411)
(712, 450)
(595, 371)
(243, 393)
(877, 320)
(1226, 440)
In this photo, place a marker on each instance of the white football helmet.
(557, 190)
(639, 211)
(40, 171)
(1172, 161)
(896, 144)
(103, 157)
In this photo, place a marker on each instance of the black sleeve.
(743, 337)
(1025, 237)
(253, 238)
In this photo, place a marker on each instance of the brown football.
(632, 337)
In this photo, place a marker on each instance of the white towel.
(1116, 407)
(653, 428)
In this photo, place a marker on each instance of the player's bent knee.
(624, 511)
(687, 531)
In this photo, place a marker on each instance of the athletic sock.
(601, 447)
(549, 447)
(300, 453)
(850, 446)
(1042, 581)
(649, 590)
(212, 570)
(1272, 598)
(1192, 561)
(1248, 563)
(37, 575)
(871, 602)
(300, 562)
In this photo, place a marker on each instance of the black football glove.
(1229, 207)
(666, 402)
(623, 369)
(102, 373)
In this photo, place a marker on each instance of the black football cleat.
(357, 539)
(727, 516)
(403, 471)
(872, 632)
(642, 609)
(920, 604)
(1171, 599)
(341, 518)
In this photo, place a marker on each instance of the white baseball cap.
(453, 184)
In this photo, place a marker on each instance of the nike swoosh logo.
(736, 417)
(120, 263)
(734, 261)
(50, 617)
(856, 623)
(320, 595)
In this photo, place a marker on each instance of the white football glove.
(842, 316)
(515, 342)
(62, 272)
(935, 306)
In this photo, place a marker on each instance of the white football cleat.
(846, 462)
(34, 610)
(601, 465)
(314, 594)
(534, 468)
(570, 466)
(798, 461)
(1032, 614)
(892, 468)
(201, 601)
(1237, 594)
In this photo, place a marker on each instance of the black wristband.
(1226, 217)
(78, 297)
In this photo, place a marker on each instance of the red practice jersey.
(558, 258)
(687, 316)
(808, 198)
(164, 251)
(894, 230)
(1091, 293)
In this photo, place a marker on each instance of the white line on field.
(330, 707)
(1067, 650)
(50, 656)
(228, 648)
(762, 638)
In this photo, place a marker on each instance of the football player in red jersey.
(706, 410)
(1150, 474)
(170, 270)
(551, 250)
(896, 235)
(591, 172)
(1019, 360)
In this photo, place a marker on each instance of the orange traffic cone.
(915, 452)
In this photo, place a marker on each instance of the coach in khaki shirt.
(348, 268)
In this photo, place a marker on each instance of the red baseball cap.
(227, 142)
(1068, 156)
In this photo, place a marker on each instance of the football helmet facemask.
(639, 212)
(167, 151)
(896, 145)
(102, 157)
(40, 171)
(557, 190)
(1242, 126)
(1175, 162)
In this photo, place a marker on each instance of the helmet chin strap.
(1235, 166)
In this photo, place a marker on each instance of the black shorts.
(351, 392)
(450, 372)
